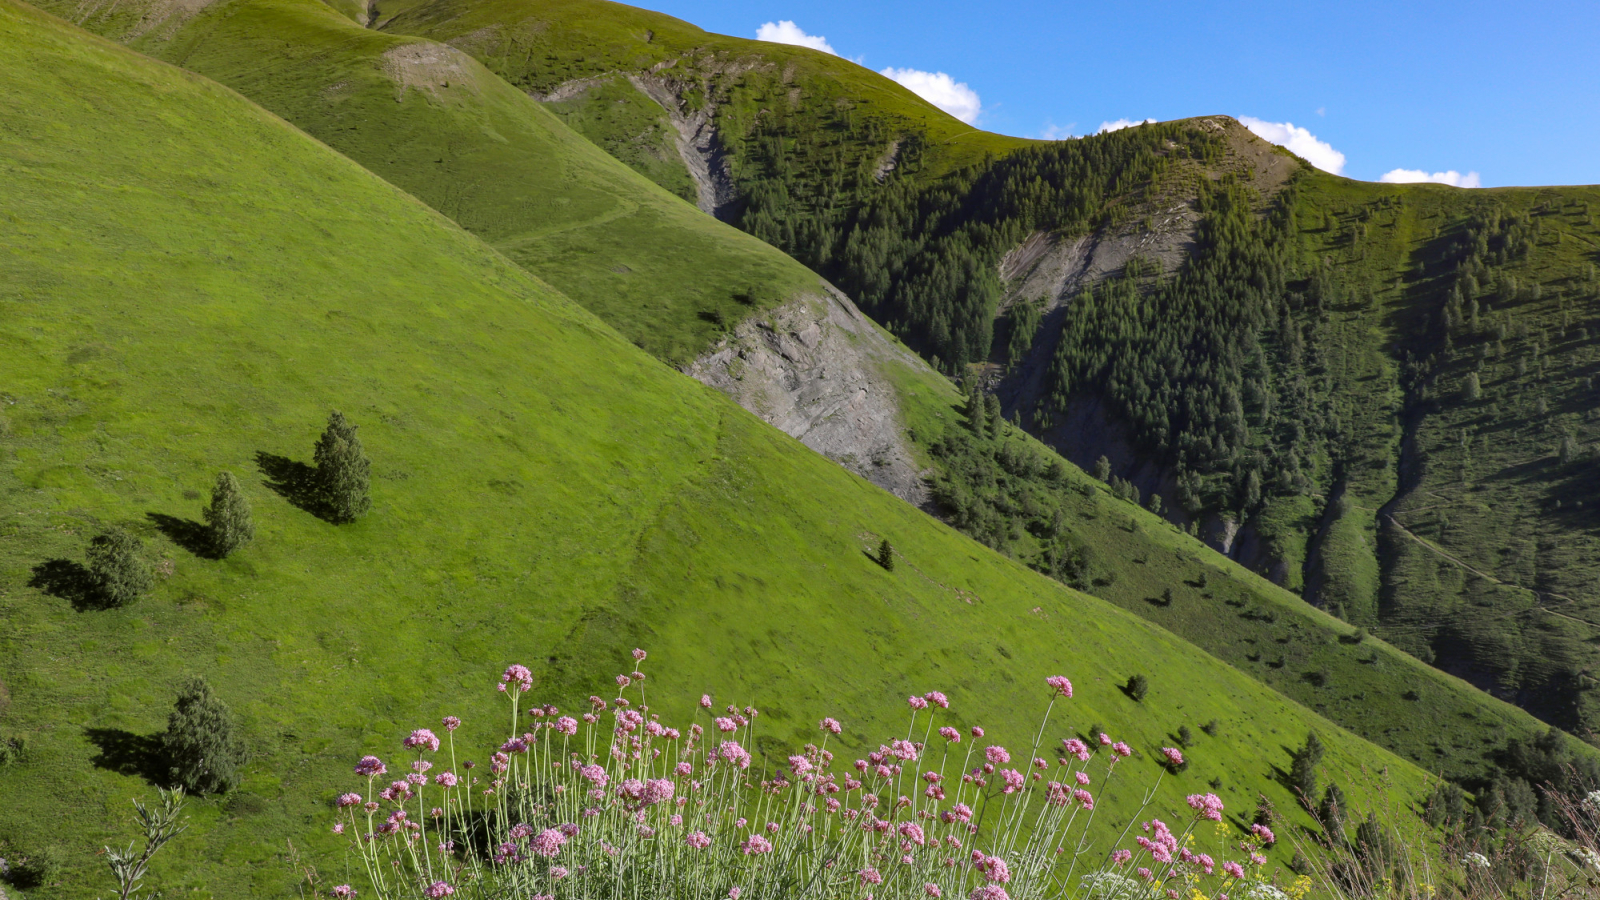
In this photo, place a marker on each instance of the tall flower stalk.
(614, 804)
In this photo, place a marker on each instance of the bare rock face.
(812, 368)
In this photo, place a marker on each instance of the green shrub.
(1138, 686)
(40, 868)
(1185, 736)
(228, 519)
(12, 749)
(343, 470)
(121, 574)
(201, 744)
(1211, 728)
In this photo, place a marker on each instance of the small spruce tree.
(1138, 687)
(116, 560)
(1472, 389)
(1102, 469)
(997, 421)
(1185, 736)
(343, 470)
(228, 520)
(976, 410)
(201, 744)
(1303, 769)
(1331, 812)
(886, 555)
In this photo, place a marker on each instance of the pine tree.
(117, 563)
(1568, 451)
(997, 422)
(343, 470)
(1472, 390)
(228, 517)
(201, 744)
(976, 409)
(886, 555)
(1303, 769)
(1331, 812)
(1102, 469)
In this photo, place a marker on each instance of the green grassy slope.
(436, 124)
(191, 284)
(330, 80)
(805, 135)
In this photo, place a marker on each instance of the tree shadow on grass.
(126, 753)
(71, 582)
(192, 536)
(294, 481)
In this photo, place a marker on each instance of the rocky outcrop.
(813, 368)
(698, 145)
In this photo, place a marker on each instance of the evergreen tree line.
(922, 255)
(1217, 370)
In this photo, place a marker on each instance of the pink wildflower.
(977, 732)
(623, 681)
(734, 892)
(917, 702)
(1015, 781)
(595, 774)
(343, 891)
(567, 725)
(725, 724)
(371, 766)
(950, 734)
(755, 843)
(1077, 748)
(1173, 755)
(1082, 778)
(422, 739)
(1258, 859)
(870, 875)
(996, 754)
(1233, 869)
(523, 679)
(1209, 806)
(1145, 873)
(439, 889)
(697, 839)
(933, 890)
(732, 752)
(989, 892)
(547, 842)
(912, 832)
(831, 726)
(338, 828)
(705, 701)
(450, 723)
(1084, 798)
(346, 800)
(559, 872)
(639, 654)
(938, 699)
(1121, 856)
(994, 868)
(1105, 739)
(1061, 685)
(1264, 833)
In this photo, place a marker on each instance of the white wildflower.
(1475, 860)
(1111, 886)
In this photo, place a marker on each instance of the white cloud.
(1120, 124)
(1298, 141)
(954, 97)
(784, 31)
(1452, 178)
(1053, 132)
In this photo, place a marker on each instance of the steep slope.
(431, 120)
(191, 284)
(815, 368)
(780, 139)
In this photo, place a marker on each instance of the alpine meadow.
(541, 449)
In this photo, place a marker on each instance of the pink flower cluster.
(1209, 806)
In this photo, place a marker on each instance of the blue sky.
(1509, 91)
